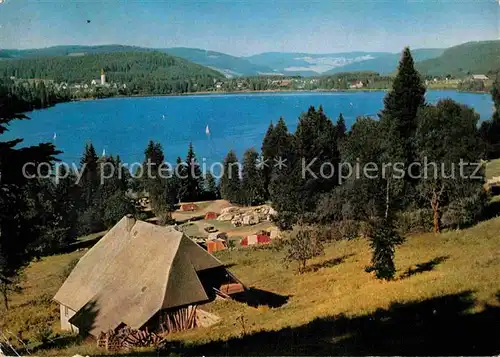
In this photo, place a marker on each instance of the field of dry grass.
(447, 281)
(493, 169)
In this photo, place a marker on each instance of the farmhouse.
(139, 275)
(479, 77)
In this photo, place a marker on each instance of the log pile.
(126, 338)
(180, 319)
(169, 321)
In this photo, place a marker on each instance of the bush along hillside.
(150, 72)
(469, 58)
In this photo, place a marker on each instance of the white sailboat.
(207, 131)
(163, 117)
(103, 152)
(55, 136)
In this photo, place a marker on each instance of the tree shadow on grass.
(437, 326)
(423, 267)
(328, 263)
(256, 297)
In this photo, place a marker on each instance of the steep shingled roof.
(134, 271)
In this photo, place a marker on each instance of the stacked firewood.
(127, 337)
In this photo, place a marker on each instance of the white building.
(479, 77)
(103, 77)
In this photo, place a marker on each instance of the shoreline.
(273, 91)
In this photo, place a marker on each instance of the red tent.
(189, 207)
(255, 239)
(211, 215)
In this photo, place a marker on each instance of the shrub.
(90, 221)
(349, 229)
(464, 211)
(414, 221)
(43, 334)
(304, 244)
(116, 207)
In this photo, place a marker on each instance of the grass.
(493, 169)
(32, 310)
(429, 267)
(472, 263)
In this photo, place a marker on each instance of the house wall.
(66, 313)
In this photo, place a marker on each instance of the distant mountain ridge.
(458, 60)
(306, 64)
(229, 65)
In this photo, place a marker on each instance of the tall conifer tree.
(230, 184)
(252, 183)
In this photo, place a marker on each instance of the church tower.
(103, 77)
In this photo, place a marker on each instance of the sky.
(246, 27)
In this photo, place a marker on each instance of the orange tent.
(214, 245)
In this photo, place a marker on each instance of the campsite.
(330, 202)
(291, 313)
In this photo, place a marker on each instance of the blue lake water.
(124, 126)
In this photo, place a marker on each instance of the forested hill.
(468, 58)
(69, 50)
(147, 71)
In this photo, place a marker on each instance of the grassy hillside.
(472, 57)
(445, 300)
(128, 67)
(492, 169)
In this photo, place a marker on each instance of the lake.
(124, 126)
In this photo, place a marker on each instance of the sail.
(103, 152)
(55, 136)
(207, 130)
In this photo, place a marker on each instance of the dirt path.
(206, 206)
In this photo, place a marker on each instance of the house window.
(66, 311)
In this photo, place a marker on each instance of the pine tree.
(90, 176)
(490, 129)
(281, 139)
(401, 105)
(341, 128)
(252, 184)
(268, 153)
(399, 122)
(383, 239)
(230, 185)
(18, 228)
(210, 187)
(157, 183)
(193, 182)
(316, 146)
(180, 172)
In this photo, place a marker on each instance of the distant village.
(100, 87)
